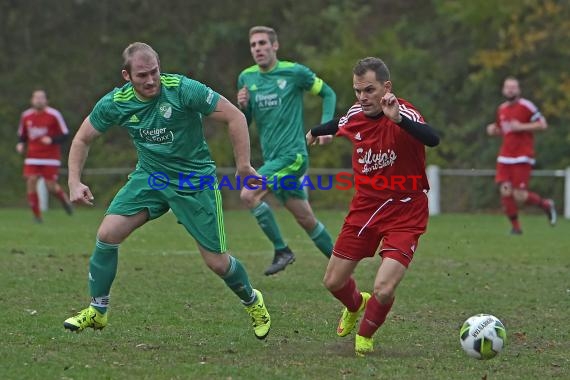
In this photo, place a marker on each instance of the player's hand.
(46, 140)
(324, 140)
(80, 194)
(311, 140)
(252, 177)
(243, 97)
(391, 107)
(20, 148)
(493, 130)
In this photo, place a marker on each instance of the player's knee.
(32, 180)
(384, 292)
(52, 186)
(332, 282)
(109, 235)
(520, 195)
(219, 267)
(506, 190)
(307, 221)
(248, 198)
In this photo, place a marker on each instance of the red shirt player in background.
(517, 120)
(43, 129)
(389, 137)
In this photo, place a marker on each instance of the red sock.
(61, 196)
(511, 211)
(374, 316)
(34, 203)
(349, 295)
(535, 200)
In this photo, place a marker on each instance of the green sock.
(237, 280)
(102, 271)
(322, 239)
(266, 221)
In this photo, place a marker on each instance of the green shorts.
(200, 212)
(284, 175)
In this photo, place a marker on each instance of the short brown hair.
(372, 64)
(134, 48)
(264, 29)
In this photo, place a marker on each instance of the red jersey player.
(43, 129)
(516, 121)
(389, 136)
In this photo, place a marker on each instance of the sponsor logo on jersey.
(165, 110)
(35, 132)
(253, 87)
(373, 161)
(281, 83)
(134, 119)
(267, 101)
(357, 137)
(157, 135)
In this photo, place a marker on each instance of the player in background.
(389, 136)
(163, 115)
(517, 120)
(42, 130)
(270, 93)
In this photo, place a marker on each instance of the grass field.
(170, 318)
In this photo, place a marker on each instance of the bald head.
(140, 50)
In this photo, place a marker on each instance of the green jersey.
(166, 130)
(276, 105)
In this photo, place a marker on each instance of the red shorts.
(517, 174)
(49, 172)
(395, 225)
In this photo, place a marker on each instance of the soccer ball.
(482, 336)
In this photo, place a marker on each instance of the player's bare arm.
(539, 125)
(78, 192)
(226, 112)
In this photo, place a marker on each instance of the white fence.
(434, 174)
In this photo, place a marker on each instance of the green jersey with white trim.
(276, 105)
(166, 130)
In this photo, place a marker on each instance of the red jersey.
(393, 160)
(517, 147)
(36, 124)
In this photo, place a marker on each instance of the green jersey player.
(163, 116)
(270, 93)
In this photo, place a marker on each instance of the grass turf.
(171, 318)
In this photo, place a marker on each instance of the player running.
(163, 115)
(43, 130)
(271, 94)
(388, 135)
(516, 121)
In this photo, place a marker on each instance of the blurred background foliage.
(448, 57)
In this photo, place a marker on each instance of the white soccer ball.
(483, 336)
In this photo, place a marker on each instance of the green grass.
(173, 319)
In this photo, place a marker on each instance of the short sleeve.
(305, 77)
(105, 114)
(198, 97)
